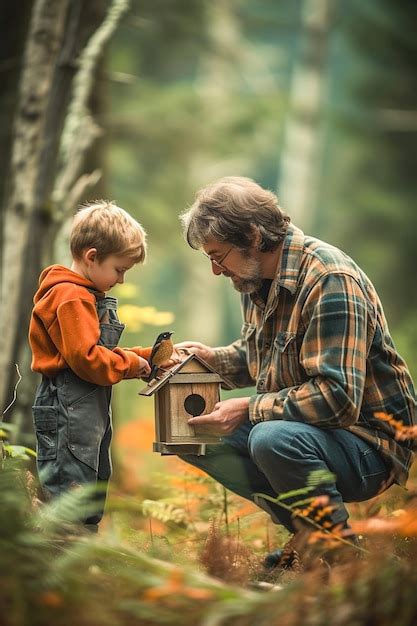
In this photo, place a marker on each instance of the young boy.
(73, 335)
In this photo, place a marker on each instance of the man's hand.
(226, 417)
(175, 358)
(195, 347)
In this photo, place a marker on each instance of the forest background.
(314, 99)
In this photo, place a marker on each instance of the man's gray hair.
(230, 210)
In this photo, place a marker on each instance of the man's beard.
(251, 280)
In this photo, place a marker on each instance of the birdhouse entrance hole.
(194, 404)
(190, 388)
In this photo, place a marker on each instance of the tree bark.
(45, 37)
(14, 22)
(60, 33)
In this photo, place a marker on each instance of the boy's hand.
(185, 348)
(144, 368)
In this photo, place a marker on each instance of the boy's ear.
(90, 254)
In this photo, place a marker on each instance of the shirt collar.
(292, 253)
(288, 269)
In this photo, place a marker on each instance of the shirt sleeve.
(76, 334)
(230, 361)
(333, 355)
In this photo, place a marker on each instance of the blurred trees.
(202, 90)
(299, 172)
(193, 90)
(368, 190)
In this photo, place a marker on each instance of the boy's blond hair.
(109, 229)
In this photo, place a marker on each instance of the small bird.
(161, 352)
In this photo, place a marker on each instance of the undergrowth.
(141, 570)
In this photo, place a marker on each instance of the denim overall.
(73, 425)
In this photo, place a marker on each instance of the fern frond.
(164, 511)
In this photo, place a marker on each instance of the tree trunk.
(301, 154)
(216, 81)
(13, 28)
(44, 41)
(42, 172)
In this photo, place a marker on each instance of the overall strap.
(106, 308)
(110, 326)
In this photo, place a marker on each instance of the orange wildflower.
(401, 432)
(174, 586)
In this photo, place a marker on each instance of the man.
(316, 345)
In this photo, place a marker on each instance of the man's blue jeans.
(276, 457)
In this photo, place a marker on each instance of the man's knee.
(282, 439)
(273, 437)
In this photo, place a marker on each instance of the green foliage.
(51, 574)
(164, 511)
(19, 452)
(320, 477)
(316, 478)
(11, 450)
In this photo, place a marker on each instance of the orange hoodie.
(64, 330)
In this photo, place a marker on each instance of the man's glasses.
(220, 262)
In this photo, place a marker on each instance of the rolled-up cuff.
(264, 407)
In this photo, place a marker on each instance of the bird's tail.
(153, 374)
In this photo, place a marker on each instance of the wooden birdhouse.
(189, 389)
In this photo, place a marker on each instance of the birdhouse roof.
(158, 383)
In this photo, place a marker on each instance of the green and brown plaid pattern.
(320, 351)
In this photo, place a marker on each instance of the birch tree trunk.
(65, 40)
(44, 42)
(301, 153)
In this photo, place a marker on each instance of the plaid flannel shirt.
(319, 351)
